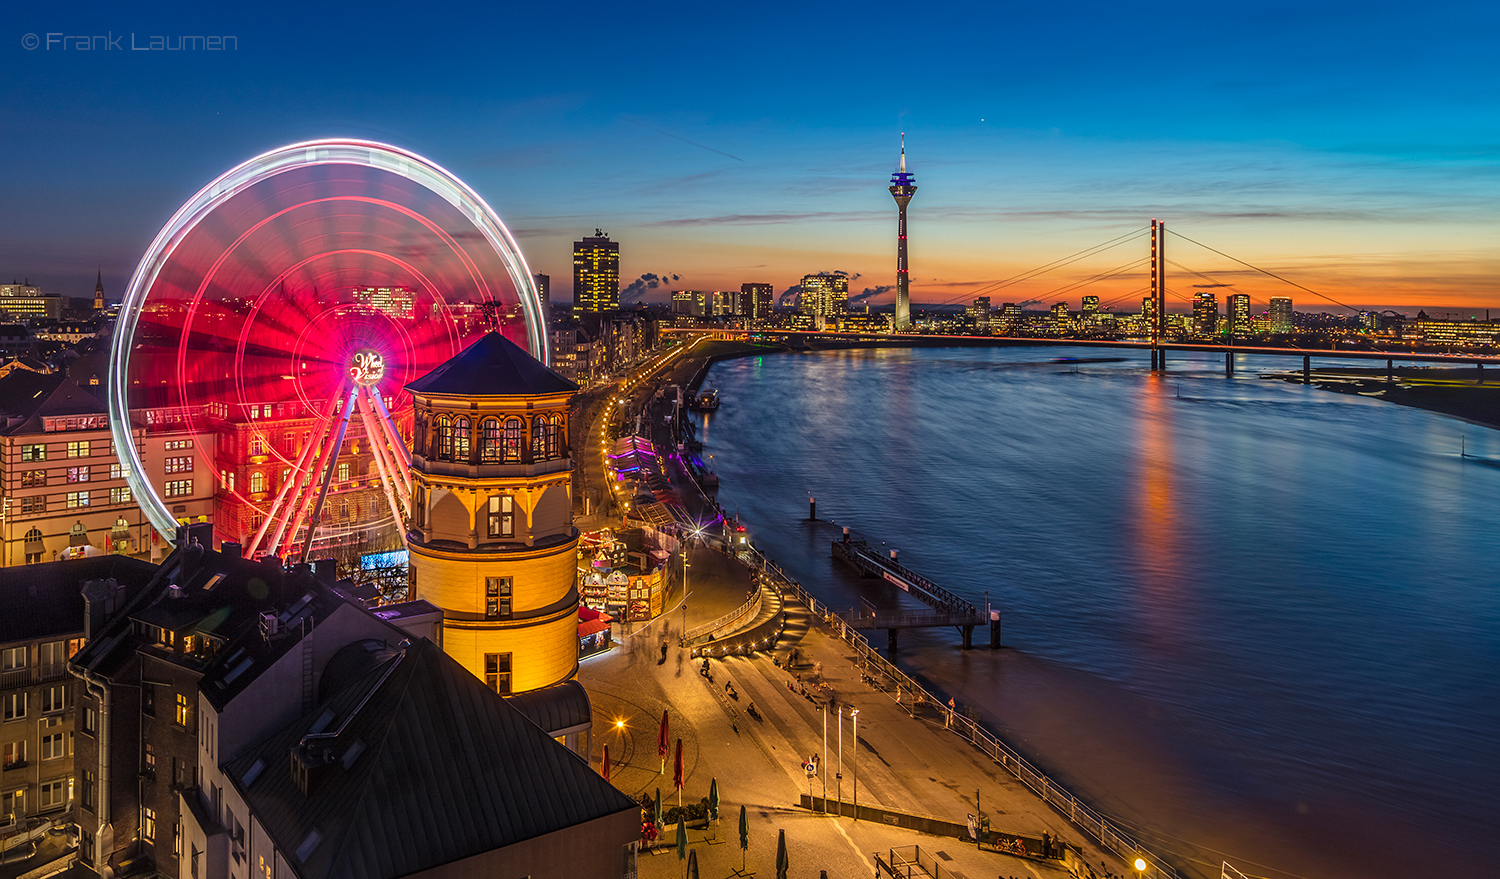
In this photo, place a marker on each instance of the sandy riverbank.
(1453, 392)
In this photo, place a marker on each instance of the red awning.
(591, 627)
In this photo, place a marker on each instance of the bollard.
(994, 630)
(812, 509)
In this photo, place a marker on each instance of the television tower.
(903, 187)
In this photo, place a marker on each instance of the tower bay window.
(490, 441)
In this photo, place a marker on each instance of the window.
(148, 699)
(489, 441)
(177, 838)
(53, 655)
(343, 472)
(54, 793)
(78, 449)
(14, 705)
(117, 471)
(54, 746)
(150, 758)
(182, 464)
(184, 711)
(257, 446)
(78, 474)
(177, 445)
(74, 645)
(15, 754)
(497, 672)
(37, 452)
(33, 478)
(461, 439)
(443, 434)
(15, 657)
(37, 504)
(515, 435)
(257, 482)
(120, 495)
(497, 598)
(148, 825)
(78, 499)
(54, 698)
(543, 439)
(13, 805)
(502, 515)
(180, 488)
(90, 719)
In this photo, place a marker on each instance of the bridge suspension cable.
(1047, 267)
(1265, 272)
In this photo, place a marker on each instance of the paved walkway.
(902, 762)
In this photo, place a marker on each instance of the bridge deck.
(870, 563)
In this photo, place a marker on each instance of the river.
(1248, 619)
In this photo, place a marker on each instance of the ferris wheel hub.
(366, 367)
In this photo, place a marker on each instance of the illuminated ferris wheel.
(276, 319)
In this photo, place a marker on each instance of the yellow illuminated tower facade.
(492, 539)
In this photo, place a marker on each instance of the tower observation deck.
(903, 187)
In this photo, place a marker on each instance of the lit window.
(184, 711)
(78, 499)
(497, 598)
(461, 439)
(502, 516)
(497, 672)
(257, 482)
(489, 441)
(515, 435)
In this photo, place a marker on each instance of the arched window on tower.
(461, 439)
(556, 442)
(489, 441)
(442, 438)
(515, 437)
(539, 429)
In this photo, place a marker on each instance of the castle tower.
(903, 187)
(492, 539)
(99, 294)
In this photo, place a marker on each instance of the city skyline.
(1352, 155)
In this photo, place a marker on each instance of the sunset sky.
(1353, 148)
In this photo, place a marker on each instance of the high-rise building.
(1239, 314)
(1281, 314)
(1148, 310)
(543, 290)
(1061, 319)
(688, 302)
(1205, 313)
(824, 294)
(979, 314)
(903, 187)
(596, 274)
(759, 305)
(1090, 306)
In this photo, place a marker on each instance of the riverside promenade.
(905, 760)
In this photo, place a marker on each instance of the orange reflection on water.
(1157, 511)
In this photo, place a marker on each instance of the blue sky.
(1353, 147)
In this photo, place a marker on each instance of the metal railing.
(1100, 828)
(746, 611)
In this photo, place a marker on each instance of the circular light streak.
(296, 273)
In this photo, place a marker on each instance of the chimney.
(232, 548)
(327, 571)
(97, 594)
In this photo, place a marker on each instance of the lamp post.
(854, 760)
(1140, 866)
(840, 776)
(825, 757)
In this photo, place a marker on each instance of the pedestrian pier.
(947, 609)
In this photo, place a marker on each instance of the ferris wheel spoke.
(291, 488)
(395, 496)
(330, 457)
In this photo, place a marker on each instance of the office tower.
(1281, 314)
(1205, 313)
(979, 313)
(596, 274)
(543, 291)
(1239, 314)
(903, 187)
(824, 294)
(760, 300)
(1090, 306)
(1060, 318)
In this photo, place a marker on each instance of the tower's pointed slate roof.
(439, 768)
(494, 366)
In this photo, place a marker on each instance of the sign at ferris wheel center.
(366, 367)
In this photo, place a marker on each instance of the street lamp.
(1140, 865)
(854, 760)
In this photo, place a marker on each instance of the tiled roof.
(493, 366)
(439, 768)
